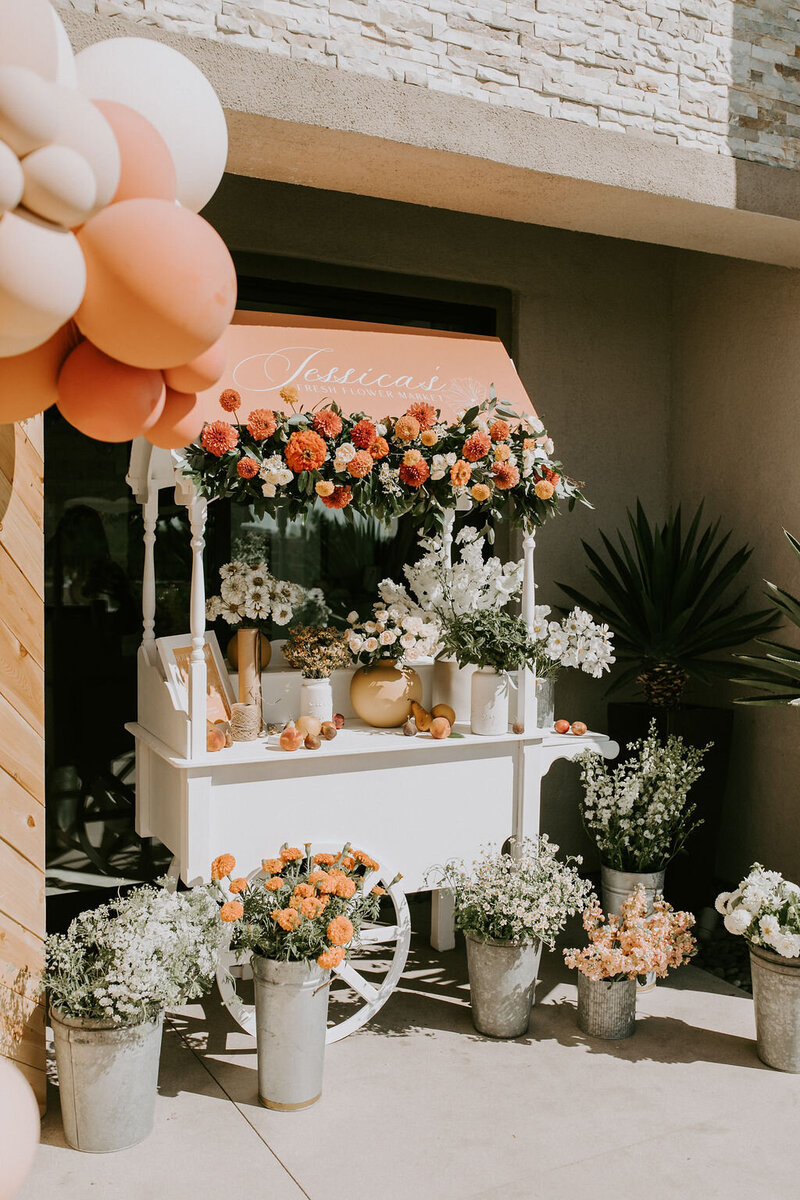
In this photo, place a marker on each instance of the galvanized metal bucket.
(618, 885)
(606, 1009)
(776, 996)
(545, 703)
(108, 1078)
(291, 1025)
(502, 981)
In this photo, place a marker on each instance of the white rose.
(738, 921)
(371, 644)
(408, 641)
(346, 452)
(268, 490)
(388, 637)
(352, 617)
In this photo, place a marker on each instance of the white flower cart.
(416, 800)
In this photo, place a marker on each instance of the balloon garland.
(114, 293)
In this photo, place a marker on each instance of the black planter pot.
(690, 881)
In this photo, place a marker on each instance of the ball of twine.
(245, 722)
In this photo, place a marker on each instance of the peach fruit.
(308, 725)
(291, 738)
(578, 728)
(440, 728)
(561, 726)
(444, 710)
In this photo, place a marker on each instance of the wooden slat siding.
(22, 913)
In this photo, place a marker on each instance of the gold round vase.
(382, 694)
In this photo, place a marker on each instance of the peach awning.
(376, 369)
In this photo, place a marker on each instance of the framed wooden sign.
(175, 654)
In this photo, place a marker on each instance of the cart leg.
(443, 930)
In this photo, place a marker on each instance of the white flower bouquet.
(470, 584)
(639, 814)
(132, 957)
(520, 898)
(764, 909)
(400, 630)
(577, 641)
(250, 592)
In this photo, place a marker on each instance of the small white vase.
(316, 699)
(453, 685)
(489, 710)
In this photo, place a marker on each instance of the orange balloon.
(203, 372)
(147, 166)
(160, 283)
(29, 382)
(106, 399)
(180, 423)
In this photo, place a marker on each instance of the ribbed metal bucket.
(776, 996)
(107, 1078)
(606, 1009)
(618, 885)
(502, 979)
(291, 1024)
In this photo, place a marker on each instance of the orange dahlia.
(505, 476)
(544, 489)
(379, 448)
(230, 400)
(247, 468)
(480, 492)
(499, 431)
(360, 464)
(363, 434)
(415, 474)
(424, 414)
(261, 424)
(291, 854)
(327, 423)
(460, 473)
(232, 911)
(329, 959)
(238, 885)
(340, 497)
(477, 446)
(407, 429)
(339, 931)
(305, 451)
(218, 437)
(222, 866)
(287, 918)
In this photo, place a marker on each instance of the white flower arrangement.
(470, 584)
(249, 592)
(132, 957)
(764, 909)
(577, 641)
(400, 630)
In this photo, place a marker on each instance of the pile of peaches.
(578, 728)
(310, 732)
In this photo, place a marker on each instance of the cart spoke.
(378, 934)
(357, 982)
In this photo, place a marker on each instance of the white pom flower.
(738, 921)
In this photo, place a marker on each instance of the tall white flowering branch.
(577, 641)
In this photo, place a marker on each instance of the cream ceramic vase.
(489, 709)
(316, 698)
(453, 685)
(382, 694)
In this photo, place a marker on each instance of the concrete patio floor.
(418, 1106)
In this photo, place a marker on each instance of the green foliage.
(488, 638)
(778, 671)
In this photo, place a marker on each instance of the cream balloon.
(28, 36)
(59, 185)
(42, 280)
(174, 96)
(66, 71)
(29, 113)
(84, 128)
(12, 181)
(19, 1129)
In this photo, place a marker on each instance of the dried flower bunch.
(639, 813)
(304, 907)
(577, 641)
(488, 638)
(634, 943)
(764, 909)
(400, 630)
(414, 463)
(316, 650)
(525, 897)
(132, 957)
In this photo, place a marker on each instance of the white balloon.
(19, 1129)
(28, 36)
(174, 95)
(66, 71)
(59, 185)
(84, 128)
(29, 114)
(12, 180)
(42, 281)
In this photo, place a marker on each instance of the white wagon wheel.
(372, 998)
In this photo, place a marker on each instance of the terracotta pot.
(382, 694)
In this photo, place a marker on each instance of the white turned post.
(149, 516)
(197, 626)
(526, 690)
(448, 522)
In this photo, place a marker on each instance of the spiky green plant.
(778, 671)
(667, 598)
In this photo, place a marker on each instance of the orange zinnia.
(502, 452)
(505, 476)
(218, 437)
(247, 468)
(379, 448)
(476, 446)
(363, 434)
(232, 911)
(360, 464)
(340, 497)
(544, 489)
(499, 431)
(414, 474)
(460, 473)
(339, 931)
(407, 429)
(305, 451)
(424, 414)
(329, 959)
(261, 424)
(327, 423)
(230, 400)
(222, 866)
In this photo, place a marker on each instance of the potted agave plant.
(673, 599)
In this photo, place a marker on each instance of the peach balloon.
(19, 1129)
(29, 115)
(59, 185)
(29, 382)
(147, 169)
(28, 36)
(42, 280)
(203, 372)
(161, 285)
(106, 399)
(180, 423)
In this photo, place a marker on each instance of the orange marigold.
(327, 886)
(424, 414)
(222, 866)
(360, 464)
(289, 394)
(460, 473)
(365, 860)
(302, 890)
(378, 890)
(345, 888)
(232, 911)
(305, 451)
(327, 423)
(287, 918)
(311, 907)
(476, 446)
(261, 424)
(348, 862)
(480, 492)
(428, 437)
(274, 884)
(316, 877)
(505, 476)
(291, 854)
(415, 474)
(329, 959)
(218, 437)
(324, 488)
(499, 431)
(407, 429)
(273, 865)
(230, 400)
(238, 885)
(544, 489)
(324, 860)
(379, 448)
(363, 434)
(340, 497)
(247, 468)
(339, 931)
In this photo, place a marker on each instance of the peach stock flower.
(460, 473)
(505, 476)
(232, 911)
(218, 437)
(222, 866)
(247, 468)
(305, 451)
(327, 423)
(476, 446)
(499, 431)
(291, 854)
(340, 497)
(339, 931)
(275, 883)
(407, 429)
(379, 448)
(360, 464)
(544, 489)
(288, 918)
(363, 434)
(324, 488)
(261, 424)
(424, 414)
(238, 885)
(329, 959)
(230, 400)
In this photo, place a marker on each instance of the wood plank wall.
(22, 828)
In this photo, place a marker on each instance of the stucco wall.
(708, 74)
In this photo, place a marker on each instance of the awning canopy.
(376, 369)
